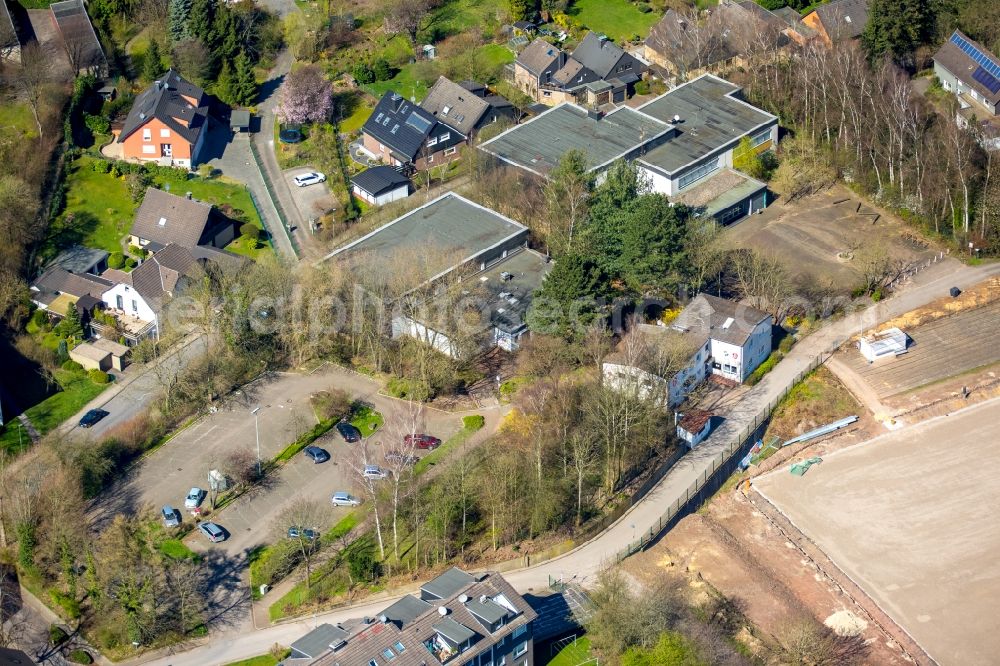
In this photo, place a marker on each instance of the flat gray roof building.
(540, 143)
(437, 238)
(710, 118)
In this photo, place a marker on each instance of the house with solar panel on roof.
(970, 72)
(400, 133)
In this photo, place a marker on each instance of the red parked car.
(422, 441)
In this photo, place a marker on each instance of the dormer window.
(445, 110)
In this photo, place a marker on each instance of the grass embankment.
(75, 390)
(818, 399)
(470, 424)
(261, 660)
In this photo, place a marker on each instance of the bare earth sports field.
(913, 517)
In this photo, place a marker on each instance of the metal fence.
(260, 215)
(282, 218)
(710, 478)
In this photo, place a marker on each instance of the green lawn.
(405, 83)
(16, 117)
(573, 654)
(618, 19)
(458, 16)
(262, 660)
(358, 116)
(76, 391)
(367, 421)
(176, 550)
(99, 210)
(496, 55)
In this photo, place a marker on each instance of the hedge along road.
(582, 563)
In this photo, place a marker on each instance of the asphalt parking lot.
(313, 201)
(166, 475)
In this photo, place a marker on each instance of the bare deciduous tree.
(307, 517)
(32, 78)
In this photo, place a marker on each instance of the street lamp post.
(257, 431)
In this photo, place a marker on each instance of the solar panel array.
(984, 60)
(988, 80)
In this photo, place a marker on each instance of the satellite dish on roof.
(442, 610)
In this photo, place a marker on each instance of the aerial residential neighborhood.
(499, 333)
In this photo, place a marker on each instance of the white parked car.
(375, 472)
(344, 499)
(194, 498)
(310, 178)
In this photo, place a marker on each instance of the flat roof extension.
(435, 238)
(538, 144)
(710, 118)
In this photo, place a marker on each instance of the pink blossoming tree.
(306, 96)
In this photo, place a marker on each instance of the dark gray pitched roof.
(474, 87)
(447, 584)
(598, 54)
(457, 624)
(843, 19)
(406, 610)
(8, 22)
(450, 102)
(157, 278)
(400, 124)
(709, 317)
(538, 55)
(168, 100)
(487, 610)
(318, 641)
(58, 280)
(378, 180)
(167, 218)
(75, 26)
(966, 69)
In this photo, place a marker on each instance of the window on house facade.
(431, 142)
(147, 134)
(698, 172)
(731, 369)
(445, 136)
(520, 631)
(166, 150)
(520, 649)
(760, 137)
(164, 133)
(119, 302)
(135, 306)
(149, 149)
(450, 151)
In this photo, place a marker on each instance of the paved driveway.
(312, 201)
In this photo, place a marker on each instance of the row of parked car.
(172, 517)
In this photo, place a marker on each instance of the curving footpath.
(582, 563)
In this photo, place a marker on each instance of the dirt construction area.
(809, 233)
(910, 517)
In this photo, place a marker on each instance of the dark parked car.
(92, 417)
(214, 533)
(348, 432)
(317, 454)
(170, 516)
(398, 457)
(294, 532)
(422, 441)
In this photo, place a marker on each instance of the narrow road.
(141, 386)
(582, 563)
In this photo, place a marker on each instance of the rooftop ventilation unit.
(506, 276)
(442, 610)
(729, 322)
(463, 599)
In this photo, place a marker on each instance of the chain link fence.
(282, 218)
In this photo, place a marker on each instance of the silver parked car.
(214, 533)
(170, 516)
(344, 499)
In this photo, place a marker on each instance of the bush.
(79, 656)
(363, 73)
(40, 318)
(334, 404)
(642, 87)
(101, 166)
(382, 70)
(272, 563)
(408, 389)
(70, 605)
(251, 231)
(786, 343)
(130, 263)
(363, 565)
(57, 635)
(136, 251)
(764, 368)
(99, 376)
(72, 366)
(97, 124)
(116, 260)
(474, 422)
